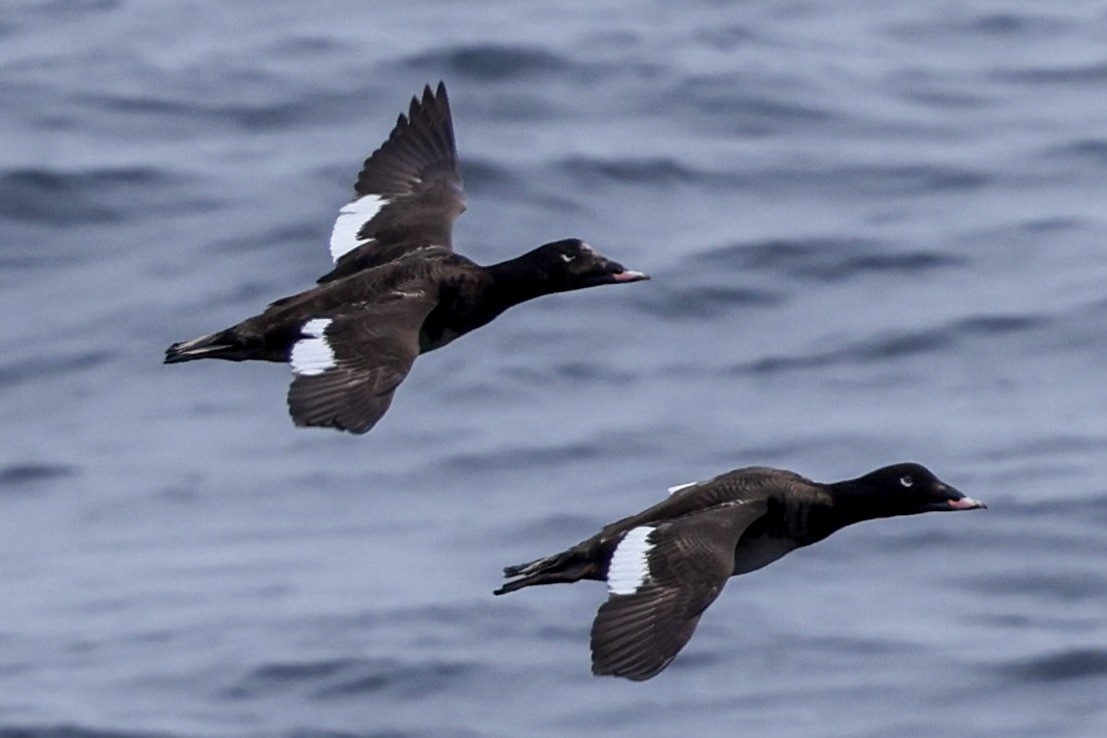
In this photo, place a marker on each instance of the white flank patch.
(630, 564)
(351, 218)
(679, 487)
(313, 355)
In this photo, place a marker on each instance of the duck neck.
(805, 521)
(855, 501)
(516, 280)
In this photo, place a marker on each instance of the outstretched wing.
(408, 194)
(348, 366)
(661, 579)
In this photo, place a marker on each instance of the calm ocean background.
(877, 233)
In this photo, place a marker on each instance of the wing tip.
(636, 670)
(431, 99)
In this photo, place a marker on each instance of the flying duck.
(666, 564)
(397, 288)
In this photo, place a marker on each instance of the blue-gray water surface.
(876, 233)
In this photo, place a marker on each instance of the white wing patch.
(630, 564)
(679, 487)
(313, 355)
(351, 218)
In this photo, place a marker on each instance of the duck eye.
(906, 480)
(567, 257)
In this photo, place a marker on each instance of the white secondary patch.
(630, 564)
(679, 487)
(351, 218)
(313, 355)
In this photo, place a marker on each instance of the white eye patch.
(567, 257)
(906, 480)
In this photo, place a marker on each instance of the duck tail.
(567, 566)
(220, 345)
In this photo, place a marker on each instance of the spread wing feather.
(637, 635)
(371, 351)
(408, 194)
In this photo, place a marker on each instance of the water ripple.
(829, 259)
(77, 198)
(516, 457)
(490, 61)
(1057, 74)
(1080, 663)
(28, 473)
(270, 109)
(74, 731)
(646, 170)
(1069, 587)
(339, 678)
(703, 300)
(751, 112)
(51, 366)
(899, 344)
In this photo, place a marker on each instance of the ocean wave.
(74, 731)
(1060, 74)
(572, 371)
(708, 284)
(248, 116)
(853, 180)
(271, 240)
(41, 367)
(26, 473)
(72, 198)
(717, 96)
(260, 104)
(1057, 587)
(1091, 150)
(490, 61)
(558, 527)
(700, 299)
(829, 259)
(382, 733)
(514, 457)
(483, 175)
(645, 170)
(485, 180)
(1077, 663)
(898, 344)
(980, 26)
(341, 678)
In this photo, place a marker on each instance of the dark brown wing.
(653, 611)
(348, 366)
(409, 192)
(749, 484)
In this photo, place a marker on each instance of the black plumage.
(666, 564)
(397, 288)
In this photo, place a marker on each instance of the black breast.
(465, 302)
(805, 516)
